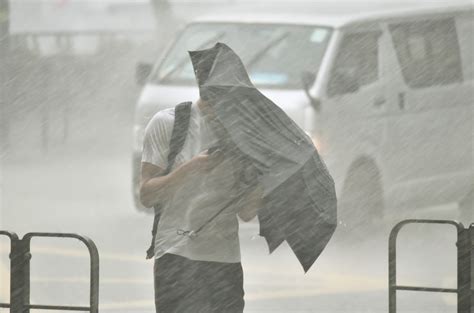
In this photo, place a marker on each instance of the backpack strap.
(182, 115)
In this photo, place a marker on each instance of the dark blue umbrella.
(299, 199)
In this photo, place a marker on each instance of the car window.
(275, 55)
(465, 29)
(356, 60)
(4, 18)
(428, 52)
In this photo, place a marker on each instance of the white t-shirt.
(197, 199)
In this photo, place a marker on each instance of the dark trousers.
(187, 286)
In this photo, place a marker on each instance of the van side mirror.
(142, 72)
(343, 83)
(308, 79)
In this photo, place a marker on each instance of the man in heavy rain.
(196, 249)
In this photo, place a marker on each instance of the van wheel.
(466, 208)
(361, 204)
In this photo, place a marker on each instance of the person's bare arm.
(251, 203)
(155, 188)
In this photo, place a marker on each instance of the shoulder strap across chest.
(182, 117)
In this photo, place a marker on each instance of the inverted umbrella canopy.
(299, 199)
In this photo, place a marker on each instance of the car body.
(386, 94)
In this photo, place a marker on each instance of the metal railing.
(20, 257)
(465, 266)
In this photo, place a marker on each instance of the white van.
(386, 95)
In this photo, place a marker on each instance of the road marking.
(82, 253)
(137, 304)
(329, 284)
(275, 279)
(270, 276)
(86, 280)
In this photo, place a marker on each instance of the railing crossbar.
(427, 289)
(59, 307)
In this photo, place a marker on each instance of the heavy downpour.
(231, 156)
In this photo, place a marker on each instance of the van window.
(4, 19)
(428, 52)
(275, 55)
(356, 62)
(465, 29)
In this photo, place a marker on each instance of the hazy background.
(68, 96)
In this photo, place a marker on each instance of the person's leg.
(180, 287)
(168, 274)
(227, 288)
(198, 297)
